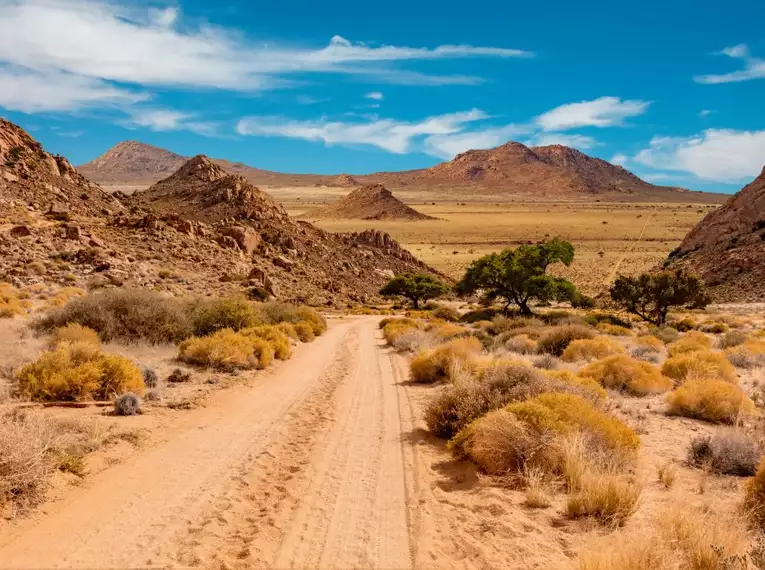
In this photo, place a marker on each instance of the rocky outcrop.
(727, 247)
(373, 202)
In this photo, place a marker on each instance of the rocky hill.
(727, 247)
(132, 162)
(368, 203)
(201, 229)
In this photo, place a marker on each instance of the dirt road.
(308, 466)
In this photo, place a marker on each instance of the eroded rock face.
(727, 247)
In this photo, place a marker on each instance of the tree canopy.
(651, 295)
(415, 286)
(520, 275)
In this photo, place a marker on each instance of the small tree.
(651, 295)
(414, 286)
(520, 275)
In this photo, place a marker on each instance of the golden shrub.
(710, 399)
(72, 333)
(395, 328)
(589, 349)
(304, 332)
(445, 331)
(622, 372)
(437, 364)
(522, 344)
(614, 330)
(78, 371)
(288, 329)
(586, 383)
(650, 341)
(558, 338)
(214, 314)
(227, 350)
(10, 304)
(697, 365)
(609, 498)
(277, 338)
(693, 341)
(64, 295)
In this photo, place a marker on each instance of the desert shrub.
(598, 317)
(413, 340)
(178, 376)
(125, 314)
(401, 320)
(685, 324)
(227, 350)
(63, 296)
(749, 354)
(728, 452)
(25, 459)
(394, 328)
(714, 327)
(445, 331)
(304, 332)
(591, 348)
(10, 306)
(288, 329)
(150, 378)
(446, 313)
(211, 315)
(710, 399)
(275, 313)
(474, 316)
(127, 404)
(71, 333)
(699, 365)
(645, 353)
(609, 498)
(556, 340)
(690, 342)
(666, 335)
(620, 372)
(546, 362)
(438, 363)
(614, 330)
(502, 324)
(278, 340)
(78, 371)
(588, 388)
(650, 341)
(522, 344)
(754, 498)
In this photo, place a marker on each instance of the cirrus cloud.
(601, 112)
(754, 67)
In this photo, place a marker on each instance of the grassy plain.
(610, 237)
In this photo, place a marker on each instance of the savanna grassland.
(609, 237)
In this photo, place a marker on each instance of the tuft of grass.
(227, 350)
(711, 400)
(556, 340)
(537, 492)
(729, 452)
(275, 313)
(10, 303)
(650, 341)
(754, 498)
(691, 342)
(621, 372)
(78, 371)
(584, 386)
(436, 364)
(699, 365)
(667, 473)
(609, 498)
(590, 349)
(395, 328)
(73, 333)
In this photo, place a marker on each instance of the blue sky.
(672, 90)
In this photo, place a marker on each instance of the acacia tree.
(520, 275)
(651, 295)
(414, 286)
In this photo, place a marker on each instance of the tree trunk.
(416, 303)
(525, 310)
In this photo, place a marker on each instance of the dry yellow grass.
(274, 335)
(73, 333)
(590, 349)
(614, 330)
(10, 303)
(754, 498)
(712, 400)
(609, 498)
(586, 383)
(650, 341)
(691, 342)
(698, 365)
(227, 350)
(439, 363)
(621, 372)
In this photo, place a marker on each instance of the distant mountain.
(512, 169)
(374, 202)
(727, 247)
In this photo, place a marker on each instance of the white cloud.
(705, 113)
(376, 95)
(601, 112)
(391, 135)
(619, 158)
(716, 155)
(581, 142)
(447, 146)
(754, 67)
(157, 119)
(308, 100)
(33, 92)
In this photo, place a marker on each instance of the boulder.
(72, 232)
(20, 232)
(248, 240)
(283, 262)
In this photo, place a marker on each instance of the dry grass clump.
(445, 331)
(502, 324)
(26, 444)
(537, 492)
(275, 313)
(614, 330)
(78, 371)
(624, 551)
(394, 328)
(591, 348)
(72, 333)
(211, 315)
(610, 498)
(754, 498)
(650, 341)
(556, 340)
(731, 339)
(621, 372)
(445, 313)
(227, 350)
(693, 341)
(749, 354)
(698, 365)
(10, 304)
(666, 334)
(304, 332)
(439, 363)
(546, 362)
(64, 295)
(521, 344)
(711, 400)
(729, 452)
(414, 340)
(666, 473)
(586, 387)
(124, 314)
(288, 329)
(271, 333)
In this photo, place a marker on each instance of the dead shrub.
(556, 340)
(591, 348)
(124, 314)
(620, 372)
(546, 362)
(666, 335)
(749, 354)
(645, 353)
(436, 364)
(711, 400)
(728, 452)
(699, 365)
(127, 404)
(227, 350)
(78, 371)
(414, 340)
(521, 344)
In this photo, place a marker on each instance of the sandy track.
(303, 468)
